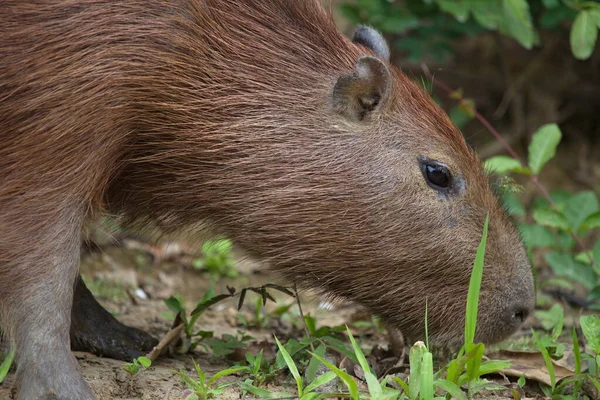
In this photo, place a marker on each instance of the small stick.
(169, 338)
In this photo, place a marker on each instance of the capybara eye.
(436, 174)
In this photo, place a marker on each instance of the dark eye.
(436, 175)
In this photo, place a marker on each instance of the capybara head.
(316, 154)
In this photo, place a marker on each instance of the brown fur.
(220, 110)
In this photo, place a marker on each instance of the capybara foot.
(95, 330)
(52, 377)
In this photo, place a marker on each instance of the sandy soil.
(117, 272)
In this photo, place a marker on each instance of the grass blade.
(320, 381)
(576, 352)
(225, 372)
(475, 287)
(427, 377)
(5, 366)
(313, 364)
(291, 366)
(346, 378)
(362, 361)
(547, 360)
(451, 388)
(415, 359)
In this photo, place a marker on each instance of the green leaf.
(552, 318)
(202, 306)
(313, 364)
(399, 23)
(584, 33)
(415, 357)
(547, 360)
(226, 372)
(144, 361)
(459, 117)
(458, 8)
(262, 393)
(518, 20)
(493, 366)
(576, 351)
(375, 389)
(560, 197)
(535, 235)
(5, 366)
(362, 361)
(503, 164)
(475, 287)
(543, 146)
(338, 346)
(565, 265)
(351, 12)
(550, 3)
(596, 255)
(590, 325)
(579, 207)
(427, 377)
(475, 360)
(174, 304)
(512, 204)
(346, 378)
(554, 17)
(594, 14)
(592, 221)
(452, 388)
(291, 365)
(401, 383)
(219, 246)
(551, 218)
(594, 295)
(320, 381)
(489, 13)
(372, 383)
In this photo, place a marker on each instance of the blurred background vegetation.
(523, 62)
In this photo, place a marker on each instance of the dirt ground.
(117, 272)
(118, 275)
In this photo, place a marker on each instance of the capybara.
(259, 118)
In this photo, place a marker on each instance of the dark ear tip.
(372, 39)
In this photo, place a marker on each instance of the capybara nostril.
(520, 313)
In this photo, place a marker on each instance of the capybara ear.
(359, 94)
(372, 39)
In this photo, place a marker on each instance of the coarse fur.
(224, 111)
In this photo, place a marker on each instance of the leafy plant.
(260, 370)
(203, 388)
(227, 344)
(563, 220)
(175, 304)
(217, 258)
(590, 325)
(431, 25)
(134, 367)
(260, 317)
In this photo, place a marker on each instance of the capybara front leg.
(35, 306)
